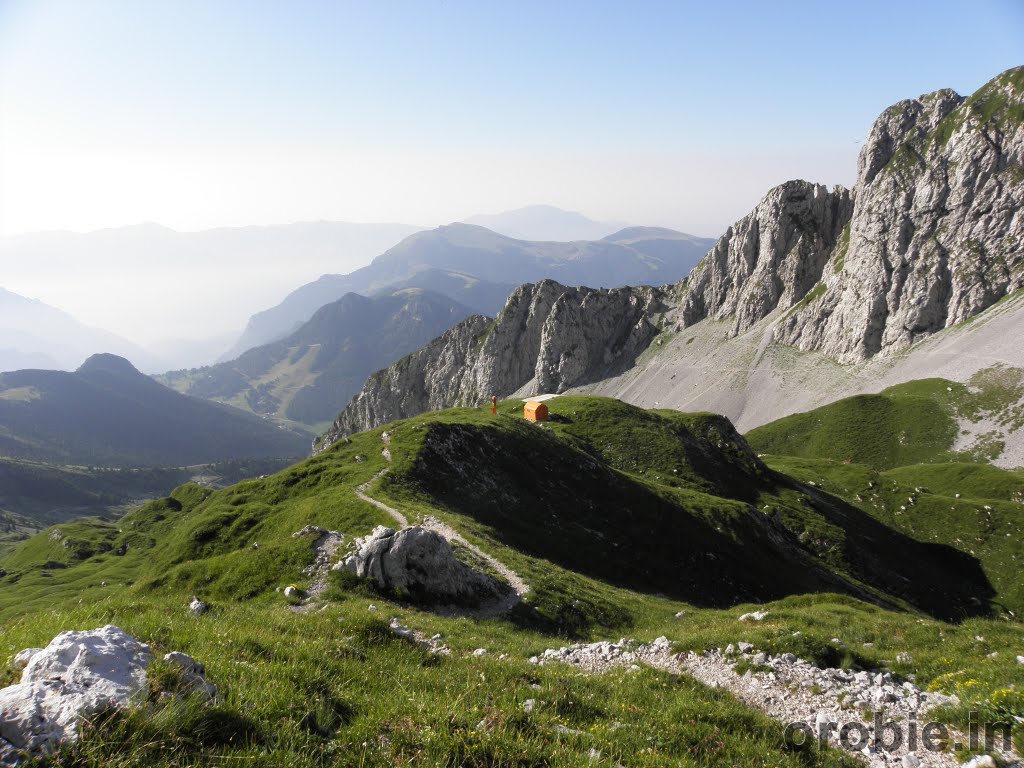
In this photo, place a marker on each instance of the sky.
(206, 113)
(202, 113)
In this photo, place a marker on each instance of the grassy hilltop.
(617, 517)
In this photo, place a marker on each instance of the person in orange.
(494, 405)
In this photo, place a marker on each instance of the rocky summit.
(929, 237)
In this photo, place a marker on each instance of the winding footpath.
(515, 581)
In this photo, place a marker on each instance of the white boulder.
(197, 607)
(418, 563)
(79, 674)
(22, 658)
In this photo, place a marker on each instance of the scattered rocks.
(193, 674)
(293, 591)
(754, 616)
(529, 705)
(420, 564)
(904, 658)
(78, 675)
(197, 607)
(785, 687)
(325, 549)
(434, 644)
(603, 656)
(480, 652)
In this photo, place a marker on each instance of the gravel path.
(791, 690)
(395, 514)
(325, 551)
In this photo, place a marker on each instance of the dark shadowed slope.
(107, 413)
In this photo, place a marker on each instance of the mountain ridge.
(303, 377)
(781, 276)
(494, 259)
(544, 223)
(48, 337)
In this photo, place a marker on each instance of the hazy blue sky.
(204, 113)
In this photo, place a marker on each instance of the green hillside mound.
(664, 502)
(659, 502)
(976, 508)
(109, 414)
(596, 509)
(913, 423)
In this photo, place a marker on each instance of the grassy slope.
(712, 523)
(912, 423)
(34, 495)
(921, 502)
(303, 380)
(108, 414)
(380, 701)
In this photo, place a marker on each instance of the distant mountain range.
(309, 375)
(478, 268)
(133, 278)
(36, 335)
(545, 222)
(107, 413)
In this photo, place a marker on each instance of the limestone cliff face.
(548, 336)
(770, 258)
(931, 234)
(937, 233)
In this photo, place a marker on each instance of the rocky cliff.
(930, 236)
(549, 337)
(936, 234)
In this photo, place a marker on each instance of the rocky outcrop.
(930, 236)
(77, 675)
(418, 563)
(936, 235)
(549, 337)
(772, 257)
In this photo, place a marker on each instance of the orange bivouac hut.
(535, 411)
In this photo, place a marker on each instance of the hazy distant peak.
(105, 362)
(10, 297)
(545, 223)
(632, 234)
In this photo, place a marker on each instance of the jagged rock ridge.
(548, 338)
(930, 236)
